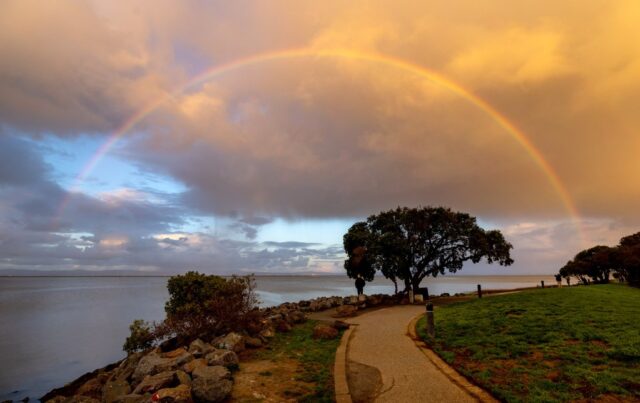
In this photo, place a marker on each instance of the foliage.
(316, 357)
(594, 263)
(552, 344)
(141, 337)
(598, 262)
(200, 305)
(412, 243)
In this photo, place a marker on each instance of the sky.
(248, 136)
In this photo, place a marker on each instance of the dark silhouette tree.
(628, 259)
(409, 244)
(593, 264)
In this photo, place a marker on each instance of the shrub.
(201, 306)
(142, 336)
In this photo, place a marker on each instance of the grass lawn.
(546, 344)
(316, 358)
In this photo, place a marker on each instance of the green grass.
(547, 344)
(315, 356)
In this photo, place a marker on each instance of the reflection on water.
(55, 329)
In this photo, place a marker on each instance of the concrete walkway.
(380, 340)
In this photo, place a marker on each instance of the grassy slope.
(315, 356)
(546, 345)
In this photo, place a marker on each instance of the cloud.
(316, 137)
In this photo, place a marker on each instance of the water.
(54, 329)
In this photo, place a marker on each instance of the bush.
(200, 306)
(141, 338)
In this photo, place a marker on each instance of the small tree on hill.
(409, 244)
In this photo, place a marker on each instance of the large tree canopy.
(598, 262)
(595, 263)
(409, 244)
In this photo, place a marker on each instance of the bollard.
(479, 291)
(431, 329)
(426, 293)
(542, 282)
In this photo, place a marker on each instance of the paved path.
(380, 340)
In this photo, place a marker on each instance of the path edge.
(473, 390)
(341, 385)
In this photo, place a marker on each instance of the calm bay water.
(54, 329)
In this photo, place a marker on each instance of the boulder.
(267, 333)
(297, 317)
(126, 367)
(91, 388)
(374, 300)
(152, 383)
(179, 394)
(183, 378)
(81, 399)
(113, 389)
(232, 341)
(253, 342)
(154, 363)
(174, 353)
(345, 311)
(199, 348)
(211, 384)
(192, 365)
(282, 326)
(225, 358)
(324, 332)
(133, 398)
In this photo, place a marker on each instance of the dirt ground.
(269, 381)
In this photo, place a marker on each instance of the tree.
(595, 263)
(409, 244)
(629, 259)
(199, 305)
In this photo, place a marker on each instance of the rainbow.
(370, 57)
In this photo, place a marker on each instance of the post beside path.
(431, 329)
(479, 291)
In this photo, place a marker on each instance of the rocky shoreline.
(201, 371)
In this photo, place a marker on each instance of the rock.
(183, 378)
(174, 353)
(282, 326)
(232, 341)
(192, 365)
(152, 383)
(267, 333)
(81, 399)
(173, 343)
(55, 399)
(179, 394)
(297, 317)
(199, 348)
(226, 358)
(114, 389)
(132, 398)
(252, 342)
(91, 388)
(345, 311)
(126, 367)
(211, 384)
(374, 300)
(324, 332)
(340, 325)
(153, 363)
